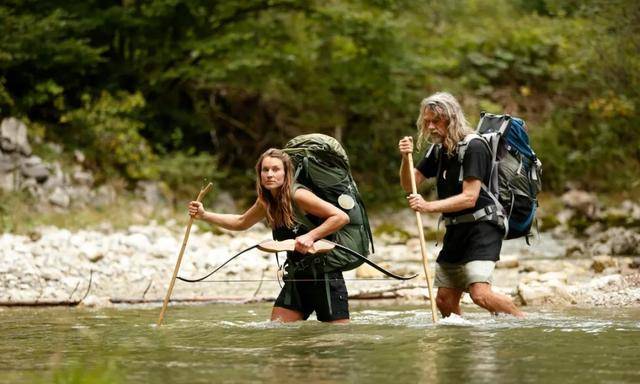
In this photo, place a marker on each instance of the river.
(383, 343)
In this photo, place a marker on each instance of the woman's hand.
(417, 203)
(304, 243)
(405, 145)
(196, 210)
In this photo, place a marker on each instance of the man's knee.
(442, 302)
(480, 293)
(447, 300)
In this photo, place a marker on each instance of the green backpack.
(322, 166)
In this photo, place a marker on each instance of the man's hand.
(417, 203)
(405, 145)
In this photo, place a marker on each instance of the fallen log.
(384, 293)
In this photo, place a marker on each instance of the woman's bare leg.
(285, 315)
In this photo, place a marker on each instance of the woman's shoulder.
(299, 191)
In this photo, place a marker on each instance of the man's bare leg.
(482, 295)
(448, 301)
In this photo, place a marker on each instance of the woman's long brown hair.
(278, 205)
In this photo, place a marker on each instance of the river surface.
(384, 343)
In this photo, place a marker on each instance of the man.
(473, 237)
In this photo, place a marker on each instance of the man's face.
(436, 126)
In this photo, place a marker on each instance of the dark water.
(234, 343)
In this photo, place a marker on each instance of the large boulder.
(33, 167)
(581, 201)
(13, 136)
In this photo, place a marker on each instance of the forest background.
(181, 90)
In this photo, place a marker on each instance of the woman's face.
(436, 126)
(272, 173)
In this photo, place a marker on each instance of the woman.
(278, 200)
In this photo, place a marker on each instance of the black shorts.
(481, 240)
(309, 296)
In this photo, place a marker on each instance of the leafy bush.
(108, 131)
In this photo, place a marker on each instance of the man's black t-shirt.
(480, 240)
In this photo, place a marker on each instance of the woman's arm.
(312, 204)
(228, 221)
(466, 199)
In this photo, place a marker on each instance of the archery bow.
(320, 246)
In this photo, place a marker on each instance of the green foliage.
(138, 81)
(108, 130)
(181, 172)
(393, 231)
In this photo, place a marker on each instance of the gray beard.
(436, 139)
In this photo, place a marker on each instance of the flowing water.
(234, 343)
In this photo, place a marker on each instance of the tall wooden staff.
(423, 245)
(203, 192)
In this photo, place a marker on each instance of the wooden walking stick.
(203, 192)
(423, 245)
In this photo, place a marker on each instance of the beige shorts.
(461, 276)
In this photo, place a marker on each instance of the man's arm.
(406, 147)
(467, 199)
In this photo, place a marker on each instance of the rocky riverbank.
(103, 267)
(588, 256)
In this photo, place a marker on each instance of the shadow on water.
(211, 343)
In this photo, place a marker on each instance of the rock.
(93, 301)
(600, 263)
(534, 294)
(365, 271)
(60, 198)
(617, 241)
(575, 248)
(91, 252)
(537, 294)
(13, 136)
(150, 191)
(508, 261)
(625, 242)
(553, 276)
(8, 163)
(104, 195)
(7, 182)
(564, 216)
(594, 229)
(138, 241)
(83, 178)
(164, 247)
(79, 156)
(34, 235)
(224, 203)
(581, 201)
(34, 168)
(632, 209)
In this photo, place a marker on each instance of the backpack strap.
(494, 212)
(462, 149)
(299, 216)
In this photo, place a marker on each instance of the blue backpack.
(515, 172)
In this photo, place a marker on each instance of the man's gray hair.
(446, 107)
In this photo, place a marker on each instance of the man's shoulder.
(477, 145)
